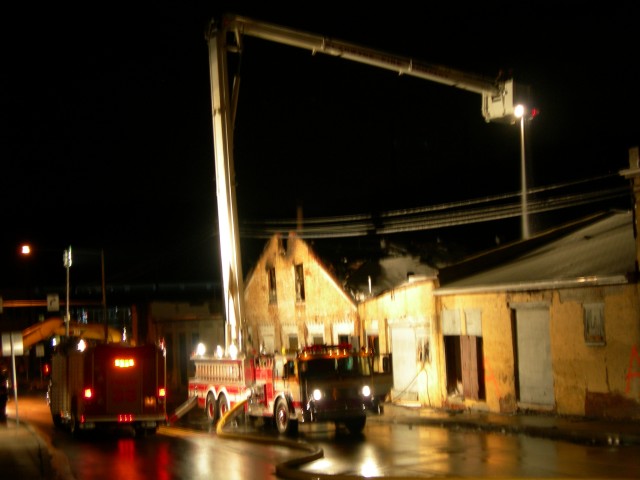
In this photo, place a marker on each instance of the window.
(271, 280)
(293, 342)
(594, 323)
(299, 272)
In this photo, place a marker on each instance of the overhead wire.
(491, 208)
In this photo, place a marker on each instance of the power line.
(492, 208)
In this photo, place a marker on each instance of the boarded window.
(474, 322)
(451, 324)
(594, 323)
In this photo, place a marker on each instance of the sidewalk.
(23, 453)
(554, 427)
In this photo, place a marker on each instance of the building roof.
(598, 250)
(376, 277)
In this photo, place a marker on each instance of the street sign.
(12, 344)
(53, 302)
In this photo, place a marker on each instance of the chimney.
(299, 219)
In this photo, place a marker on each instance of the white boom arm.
(226, 36)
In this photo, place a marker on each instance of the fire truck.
(108, 385)
(98, 379)
(320, 383)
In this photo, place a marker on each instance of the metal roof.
(600, 251)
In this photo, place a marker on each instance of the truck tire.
(73, 426)
(57, 420)
(210, 408)
(284, 423)
(145, 431)
(356, 425)
(223, 406)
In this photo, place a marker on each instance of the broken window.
(299, 273)
(271, 280)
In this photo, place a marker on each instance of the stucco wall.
(592, 380)
(497, 345)
(412, 305)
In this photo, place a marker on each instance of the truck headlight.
(317, 394)
(366, 391)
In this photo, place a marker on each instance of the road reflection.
(385, 450)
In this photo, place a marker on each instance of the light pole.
(104, 297)
(520, 113)
(67, 260)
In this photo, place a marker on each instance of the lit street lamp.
(519, 112)
(67, 260)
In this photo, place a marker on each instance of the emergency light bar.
(124, 362)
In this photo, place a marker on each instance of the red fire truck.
(108, 385)
(99, 380)
(320, 383)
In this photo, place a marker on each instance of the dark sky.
(105, 120)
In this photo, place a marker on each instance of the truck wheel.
(210, 408)
(356, 425)
(73, 426)
(223, 407)
(145, 431)
(57, 420)
(73, 422)
(283, 420)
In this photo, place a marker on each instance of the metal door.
(534, 365)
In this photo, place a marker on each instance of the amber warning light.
(124, 362)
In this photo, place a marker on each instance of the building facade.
(552, 325)
(291, 300)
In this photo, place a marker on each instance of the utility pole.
(67, 260)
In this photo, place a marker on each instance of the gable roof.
(275, 245)
(600, 250)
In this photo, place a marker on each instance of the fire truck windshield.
(354, 366)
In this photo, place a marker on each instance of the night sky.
(105, 122)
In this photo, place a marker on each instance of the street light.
(67, 260)
(519, 112)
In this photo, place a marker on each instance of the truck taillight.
(88, 393)
(162, 392)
